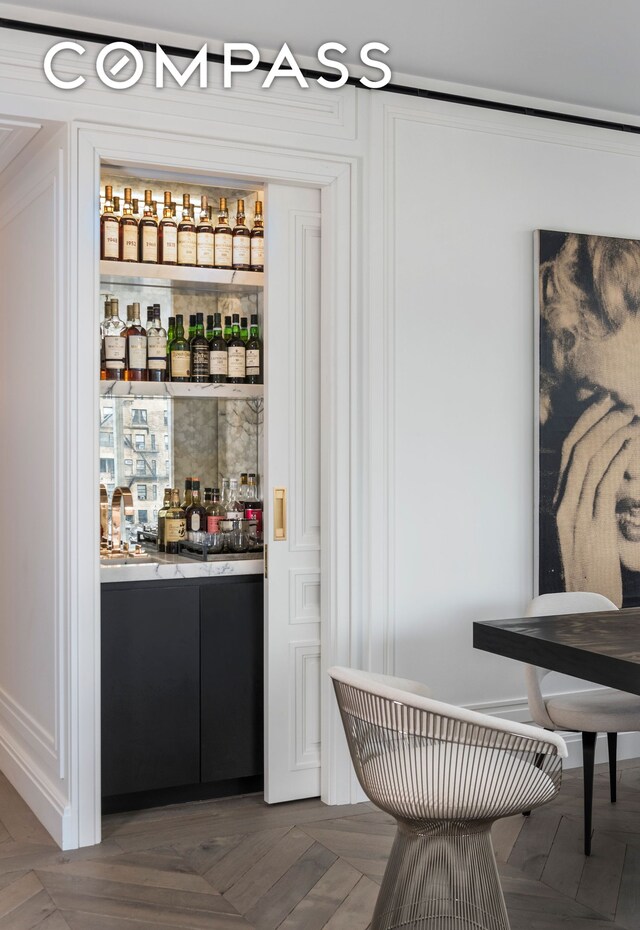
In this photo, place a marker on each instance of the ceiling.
(582, 52)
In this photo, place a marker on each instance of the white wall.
(464, 191)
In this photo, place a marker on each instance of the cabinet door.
(231, 624)
(150, 688)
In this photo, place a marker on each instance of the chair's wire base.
(441, 876)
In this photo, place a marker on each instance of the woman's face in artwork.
(611, 365)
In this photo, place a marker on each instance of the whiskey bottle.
(209, 331)
(180, 354)
(199, 353)
(196, 513)
(217, 354)
(167, 234)
(254, 353)
(128, 230)
(243, 487)
(188, 493)
(235, 507)
(227, 329)
(236, 354)
(107, 317)
(116, 207)
(171, 335)
(253, 505)
(149, 322)
(136, 336)
(204, 237)
(192, 327)
(241, 241)
(109, 229)
(186, 235)
(115, 345)
(215, 512)
(223, 238)
(257, 240)
(244, 329)
(135, 204)
(166, 503)
(148, 232)
(157, 348)
(175, 525)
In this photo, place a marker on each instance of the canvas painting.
(588, 449)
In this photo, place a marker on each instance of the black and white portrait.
(589, 415)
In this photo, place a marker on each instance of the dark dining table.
(602, 647)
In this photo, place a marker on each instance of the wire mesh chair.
(445, 774)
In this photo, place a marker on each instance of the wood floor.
(240, 865)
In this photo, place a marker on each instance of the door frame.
(338, 179)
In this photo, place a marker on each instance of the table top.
(602, 647)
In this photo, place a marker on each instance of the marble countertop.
(172, 567)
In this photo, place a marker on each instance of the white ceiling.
(583, 52)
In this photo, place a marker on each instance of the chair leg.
(612, 745)
(588, 757)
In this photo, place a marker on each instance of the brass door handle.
(279, 514)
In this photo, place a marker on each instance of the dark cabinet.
(182, 688)
(150, 688)
(231, 681)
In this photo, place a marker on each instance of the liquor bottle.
(199, 353)
(225, 494)
(136, 335)
(186, 235)
(235, 507)
(223, 238)
(180, 354)
(196, 513)
(204, 237)
(175, 525)
(192, 327)
(148, 232)
(207, 497)
(257, 239)
(167, 234)
(253, 505)
(217, 354)
(171, 335)
(188, 493)
(236, 355)
(115, 345)
(128, 230)
(209, 330)
(241, 241)
(157, 348)
(109, 229)
(244, 329)
(166, 503)
(116, 207)
(243, 487)
(215, 512)
(135, 204)
(227, 329)
(149, 321)
(107, 317)
(254, 353)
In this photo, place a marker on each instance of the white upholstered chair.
(445, 774)
(588, 712)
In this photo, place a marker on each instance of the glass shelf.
(137, 274)
(180, 389)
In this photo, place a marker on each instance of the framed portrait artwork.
(588, 415)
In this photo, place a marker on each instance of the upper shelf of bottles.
(179, 276)
(181, 389)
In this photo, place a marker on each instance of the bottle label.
(217, 362)
(241, 250)
(204, 248)
(157, 352)
(213, 524)
(195, 522)
(224, 249)
(150, 243)
(111, 244)
(255, 513)
(130, 243)
(137, 351)
(253, 361)
(169, 244)
(237, 361)
(235, 514)
(187, 247)
(175, 530)
(180, 364)
(257, 251)
(200, 363)
(114, 351)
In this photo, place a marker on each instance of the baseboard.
(628, 743)
(37, 789)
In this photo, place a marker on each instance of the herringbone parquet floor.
(239, 865)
